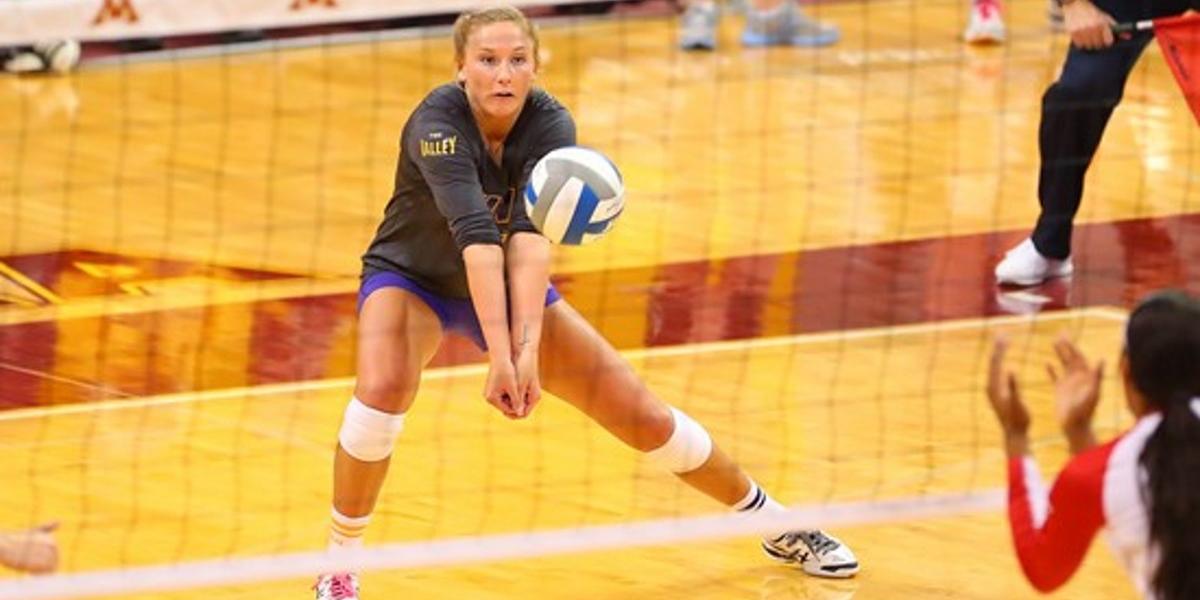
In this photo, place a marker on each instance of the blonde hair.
(471, 20)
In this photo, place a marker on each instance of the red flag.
(1179, 38)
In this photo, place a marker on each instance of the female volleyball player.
(456, 252)
(1141, 485)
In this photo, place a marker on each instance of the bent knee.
(654, 429)
(391, 393)
(686, 446)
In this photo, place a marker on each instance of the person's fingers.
(1080, 39)
(1089, 38)
(522, 392)
(1018, 414)
(996, 364)
(532, 396)
(495, 401)
(1062, 350)
(1070, 354)
(516, 397)
(500, 400)
(1052, 373)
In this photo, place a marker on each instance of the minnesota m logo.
(302, 4)
(116, 10)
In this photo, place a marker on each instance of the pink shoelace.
(341, 586)
(988, 8)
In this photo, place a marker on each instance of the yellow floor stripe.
(29, 284)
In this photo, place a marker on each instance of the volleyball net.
(804, 266)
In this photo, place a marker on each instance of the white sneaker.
(60, 56)
(814, 551)
(26, 61)
(786, 25)
(698, 27)
(1023, 265)
(337, 586)
(987, 23)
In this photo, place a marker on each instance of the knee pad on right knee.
(369, 434)
(687, 449)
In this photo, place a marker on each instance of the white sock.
(756, 500)
(346, 532)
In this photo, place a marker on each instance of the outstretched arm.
(485, 277)
(528, 258)
(1051, 531)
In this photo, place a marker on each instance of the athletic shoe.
(1023, 265)
(338, 586)
(814, 551)
(59, 56)
(987, 23)
(698, 27)
(786, 26)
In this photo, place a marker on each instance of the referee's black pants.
(1075, 110)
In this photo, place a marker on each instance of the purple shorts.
(456, 314)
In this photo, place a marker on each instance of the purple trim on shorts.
(457, 315)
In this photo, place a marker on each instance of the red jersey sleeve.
(1052, 531)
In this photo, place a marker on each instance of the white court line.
(459, 551)
(296, 387)
(87, 385)
(1110, 312)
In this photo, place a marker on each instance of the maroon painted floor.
(81, 360)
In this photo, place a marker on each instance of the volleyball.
(574, 195)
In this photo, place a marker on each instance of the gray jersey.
(449, 193)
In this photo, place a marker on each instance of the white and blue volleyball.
(574, 195)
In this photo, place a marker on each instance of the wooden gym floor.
(804, 265)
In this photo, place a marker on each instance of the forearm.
(1037, 552)
(485, 278)
(1053, 530)
(528, 259)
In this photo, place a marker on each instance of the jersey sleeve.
(1052, 531)
(445, 161)
(558, 132)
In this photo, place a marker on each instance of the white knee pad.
(369, 434)
(688, 447)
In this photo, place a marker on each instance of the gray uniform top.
(449, 192)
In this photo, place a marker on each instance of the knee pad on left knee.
(369, 434)
(687, 449)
